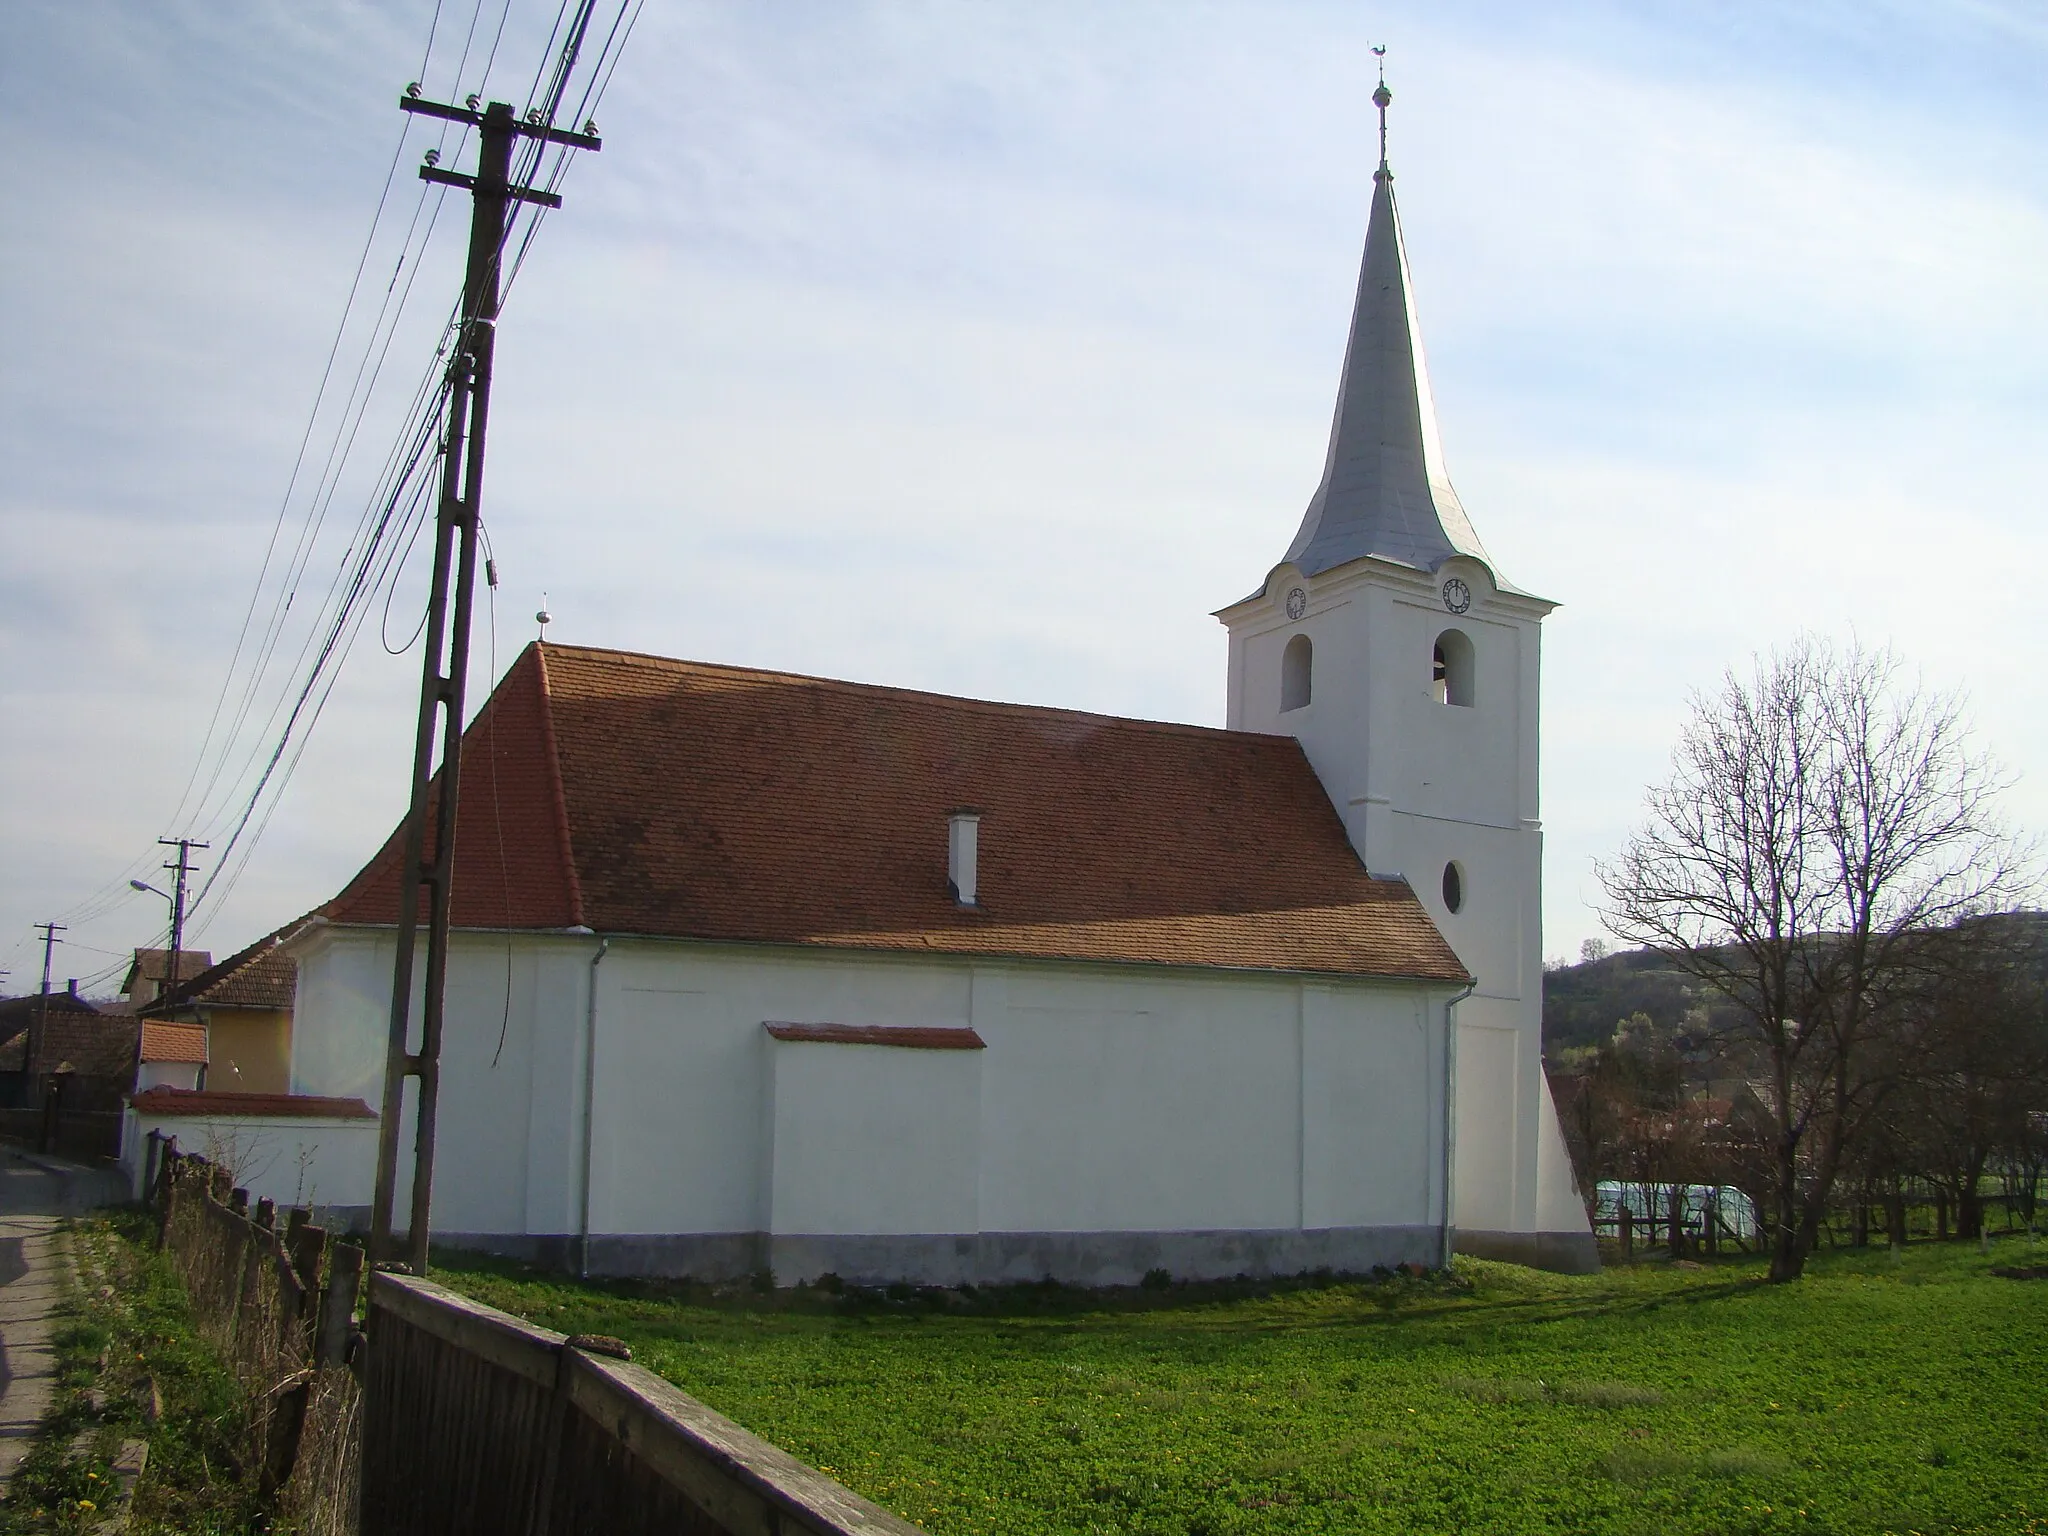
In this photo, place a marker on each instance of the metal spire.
(1381, 98)
(1385, 492)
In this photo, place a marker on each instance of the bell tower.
(1388, 642)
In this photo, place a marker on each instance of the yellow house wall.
(249, 1050)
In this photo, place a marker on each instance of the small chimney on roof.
(963, 854)
(74, 986)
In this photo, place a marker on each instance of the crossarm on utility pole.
(429, 860)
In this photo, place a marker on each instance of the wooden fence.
(478, 1422)
(440, 1415)
(277, 1302)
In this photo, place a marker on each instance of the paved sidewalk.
(35, 1194)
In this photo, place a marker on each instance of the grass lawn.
(1872, 1396)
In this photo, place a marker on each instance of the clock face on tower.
(1457, 596)
(1297, 603)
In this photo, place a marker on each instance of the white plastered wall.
(1108, 1098)
(1421, 784)
(292, 1160)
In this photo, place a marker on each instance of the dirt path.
(35, 1196)
(32, 1203)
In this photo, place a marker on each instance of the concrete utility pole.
(32, 1057)
(181, 868)
(430, 866)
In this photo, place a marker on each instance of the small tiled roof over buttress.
(165, 1041)
(637, 795)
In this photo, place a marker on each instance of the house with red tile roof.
(243, 1007)
(153, 971)
(755, 971)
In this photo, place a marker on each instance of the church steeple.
(1384, 491)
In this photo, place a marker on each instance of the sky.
(989, 348)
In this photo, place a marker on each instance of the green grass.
(127, 1326)
(1872, 1396)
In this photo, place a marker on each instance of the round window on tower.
(1454, 887)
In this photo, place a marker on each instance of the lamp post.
(171, 977)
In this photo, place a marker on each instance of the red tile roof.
(261, 976)
(204, 1103)
(153, 964)
(645, 796)
(163, 1041)
(914, 1037)
(95, 1044)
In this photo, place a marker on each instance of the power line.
(394, 511)
(101, 900)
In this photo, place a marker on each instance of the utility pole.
(430, 864)
(32, 1058)
(181, 868)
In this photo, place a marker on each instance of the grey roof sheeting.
(1384, 491)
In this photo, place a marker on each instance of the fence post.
(338, 1304)
(308, 1245)
(1628, 1231)
(167, 1191)
(149, 1158)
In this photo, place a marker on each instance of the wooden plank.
(740, 1480)
(338, 1306)
(491, 1335)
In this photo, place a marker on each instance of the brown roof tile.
(913, 1037)
(163, 1041)
(205, 1102)
(647, 796)
(96, 1044)
(153, 964)
(261, 976)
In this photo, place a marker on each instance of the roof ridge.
(559, 796)
(850, 685)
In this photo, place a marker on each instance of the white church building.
(756, 971)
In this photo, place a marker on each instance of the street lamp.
(173, 966)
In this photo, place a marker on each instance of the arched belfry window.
(1451, 669)
(1297, 666)
(1454, 887)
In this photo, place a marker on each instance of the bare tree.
(1982, 1067)
(1824, 820)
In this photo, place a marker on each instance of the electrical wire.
(388, 529)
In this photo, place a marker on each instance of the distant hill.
(1583, 1003)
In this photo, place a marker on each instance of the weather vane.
(1380, 98)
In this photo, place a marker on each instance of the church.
(761, 972)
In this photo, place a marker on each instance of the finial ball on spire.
(1382, 97)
